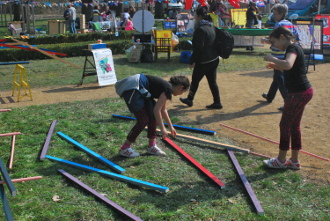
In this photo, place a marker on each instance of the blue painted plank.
(99, 196)
(92, 153)
(246, 183)
(110, 174)
(209, 132)
(7, 179)
(16, 62)
(5, 204)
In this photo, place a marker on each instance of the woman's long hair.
(203, 11)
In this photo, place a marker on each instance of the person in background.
(96, 14)
(224, 16)
(125, 17)
(148, 112)
(106, 15)
(131, 11)
(279, 11)
(204, 59)
(300, 92)
(251, 15)
(129, 25)
(72, 19)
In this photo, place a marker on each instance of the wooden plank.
(266, 139)
(7, 179)
(47, 141)
(192, 129)
(12, 150)
(99, 196)
(5, 204)
(47, 54)
(92, 153)
(10, 134)
(110, 174)
(22, 179)
(196, 163)
(227, 146)
(246, 183)
(11, 45)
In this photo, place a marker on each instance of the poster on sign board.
(326, 28)
(105, 68)
(309, 32)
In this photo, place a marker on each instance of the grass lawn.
(284, 195)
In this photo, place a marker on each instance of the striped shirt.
(287, 24)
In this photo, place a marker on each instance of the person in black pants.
(204, 59)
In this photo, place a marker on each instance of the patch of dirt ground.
(244, 108)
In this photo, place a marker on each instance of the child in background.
(139, 92)
(279, 11)
(129, 25)
(300, 92)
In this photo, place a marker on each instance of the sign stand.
(102, 66)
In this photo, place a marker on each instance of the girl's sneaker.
(128, 153)
(155, 151)
(274, 163)
(292, 165)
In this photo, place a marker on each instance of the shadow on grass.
(260, 74)
(70, 89)
(218, 117)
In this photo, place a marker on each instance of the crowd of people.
(287, 60)
(101, 13)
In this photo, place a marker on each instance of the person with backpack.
(205, 58)
(139, 92)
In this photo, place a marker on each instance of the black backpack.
(66, 14)
(147, 56)
(224, 42)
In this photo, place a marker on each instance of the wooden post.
(246, 183)
(47, 141)
(226, 146)
(99, 196)
(12, 150)
(197, 164)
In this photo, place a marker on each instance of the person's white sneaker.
(155, 151)
(128, 153)
(274, 163)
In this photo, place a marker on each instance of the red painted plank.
(246, 183)
(99, 196)
(197, 164)
(266, 139)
